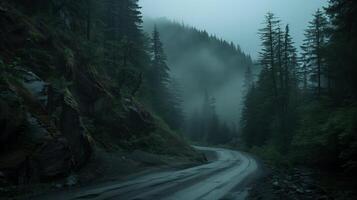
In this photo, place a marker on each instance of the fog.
(235, 20)
(203, 64)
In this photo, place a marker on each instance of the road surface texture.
(224, 177)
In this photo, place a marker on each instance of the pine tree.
(159, 75)
(194, 126)
(176, 118)
(248, 79)
(290, 57)
(268, 53)
(279, 57)
(342, 54)
(122, 33)
(159, 60)
(289, 67)
(263, 102)
(123, 20)
(313, 47)
(270, 102)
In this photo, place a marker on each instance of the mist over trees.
(205, 67)
(89, 91)
(205, 126)
(302, 107)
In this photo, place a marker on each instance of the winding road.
(222, 178)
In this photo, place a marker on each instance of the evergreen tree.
(290, 64)
(176, 118)
(268, 53)
(342, 54)
(123, 37)
(279, 57)
(123, 20)
(159, 75)
(290, 58)
(263, 101)
(194, 126)
(248, 79)
(271, 101)
(313, 48)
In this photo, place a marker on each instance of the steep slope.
(58, 110)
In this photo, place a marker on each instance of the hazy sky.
(235, 20)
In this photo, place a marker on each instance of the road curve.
(211, 181)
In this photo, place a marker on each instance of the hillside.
(204, 64)
(65, 107)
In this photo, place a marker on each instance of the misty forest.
(101, 100)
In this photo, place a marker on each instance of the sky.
(236, 21)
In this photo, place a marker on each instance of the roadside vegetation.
(301, 109)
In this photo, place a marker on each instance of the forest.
(206, 70)
(92, 92)
(305, 103)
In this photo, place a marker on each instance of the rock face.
(53, 159)
(41, 133)
(137, 118)
(47, 109)
(73, 129)
(12, 117)
(38, 145)
(35, 86)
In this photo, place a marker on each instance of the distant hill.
(201, 62)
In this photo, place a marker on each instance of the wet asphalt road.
(222, 178)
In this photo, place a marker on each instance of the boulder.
(36, 132)
(36, 86)
(71, 180)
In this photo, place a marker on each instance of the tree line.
(205, 126)
(204, 65)
(302, 107)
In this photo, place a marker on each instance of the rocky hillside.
(57, 109)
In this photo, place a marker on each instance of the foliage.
(313, 51)
(341, 50)
(271, 101)
(98, 51)
(272, 155)
(326, 135)
(289, 121)
(11, 70)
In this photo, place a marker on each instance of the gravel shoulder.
(299, 184)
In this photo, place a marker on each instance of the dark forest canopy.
(302, 109)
